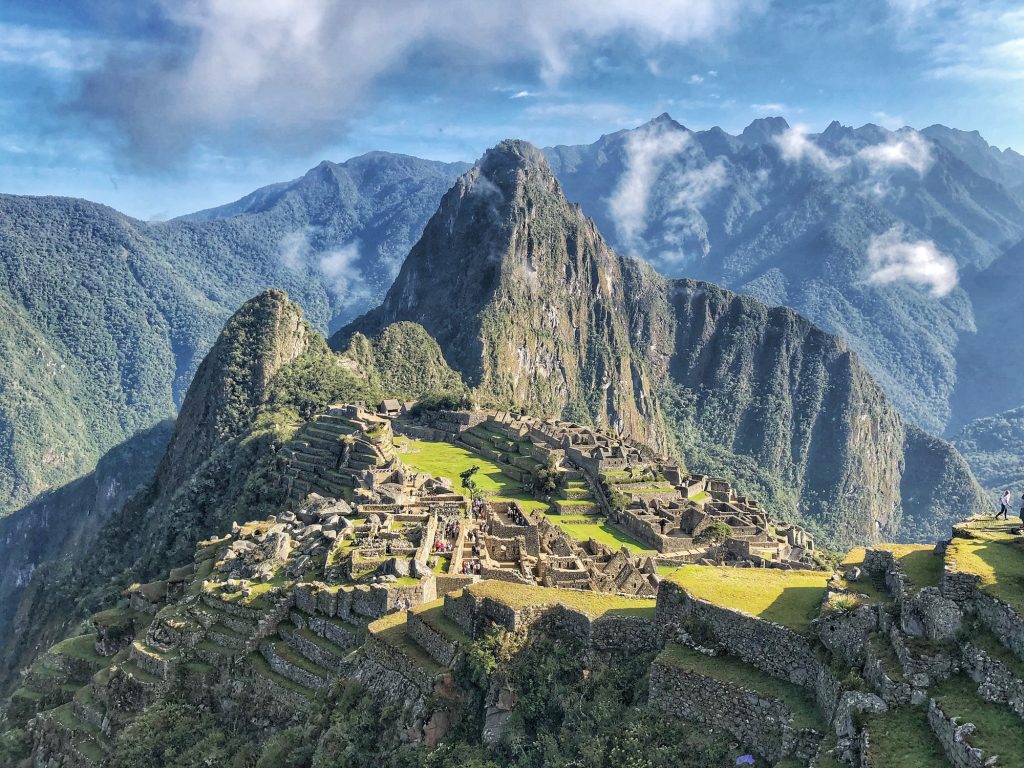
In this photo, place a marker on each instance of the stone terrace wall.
(388, 672)
(772, 648)
(607, 633)
(954, 739)
(764, 724)
(996, 682)
(438, 647)
(1002, 620)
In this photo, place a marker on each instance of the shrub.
(714, 533)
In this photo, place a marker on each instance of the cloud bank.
(300, 68)
(894, 259)
(646, 152)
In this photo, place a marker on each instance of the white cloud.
(48, 49)
(694, 186)
(293, 249)
(299, 68)
(646, 151)
(338, 267)
(775, 107)
(894, 259)
(892, 122)
(695, 79)
(908, 149)
(520, 95)
(796, 146)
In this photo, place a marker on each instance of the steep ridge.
(525, 299)
(267, 374)
(789, 218)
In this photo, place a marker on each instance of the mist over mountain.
(105, 318)
(882, 237)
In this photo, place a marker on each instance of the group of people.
(516, 515)
(470, 567)
(1005, 504)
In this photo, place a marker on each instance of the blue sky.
(160, 107)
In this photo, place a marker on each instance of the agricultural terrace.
(593, 604)
(986, 548)
(449, 461)
(790, 598)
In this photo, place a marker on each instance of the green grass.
(919, 562)
(1000, 731)
(448, 461)
(790, 598)
(82, 647)
(995, 556)
(442, 563)
(855, 559)
(592, 604)
(731, 670)
(432, 614)
(902, 738)
(583, 527)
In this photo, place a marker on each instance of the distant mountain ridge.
(104, 319)
(790, 218)
(531, 306)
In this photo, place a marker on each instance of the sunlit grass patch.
(790, 598)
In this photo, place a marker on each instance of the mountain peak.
(763, 130)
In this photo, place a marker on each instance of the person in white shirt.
(1004, 505)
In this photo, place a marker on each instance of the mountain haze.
(795, 219)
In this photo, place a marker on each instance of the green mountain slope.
(527, 301)
(104, 319)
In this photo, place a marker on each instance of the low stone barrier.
(996, 681)
(437, 646)
(1002, 620)
(757, 721)
(293, 672)
(772, 648)
(955, 739)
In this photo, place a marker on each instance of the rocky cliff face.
(530, 304)
(525, 298)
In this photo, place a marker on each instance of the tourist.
(1004, 505)
(1022, 509)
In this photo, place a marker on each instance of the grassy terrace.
(730, 670)
(448, 460)
(592, 604)
(790, 598)
(391, 629)
(994, 555)
(999, 730)
(82, 647)
(432, 614)
(583, 527)
(902, 738)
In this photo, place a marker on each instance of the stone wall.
(996, 681)
(1002, 620)
(438, 647)
(772, 648)
(758, 722)
(955, 739)
(394, 674)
